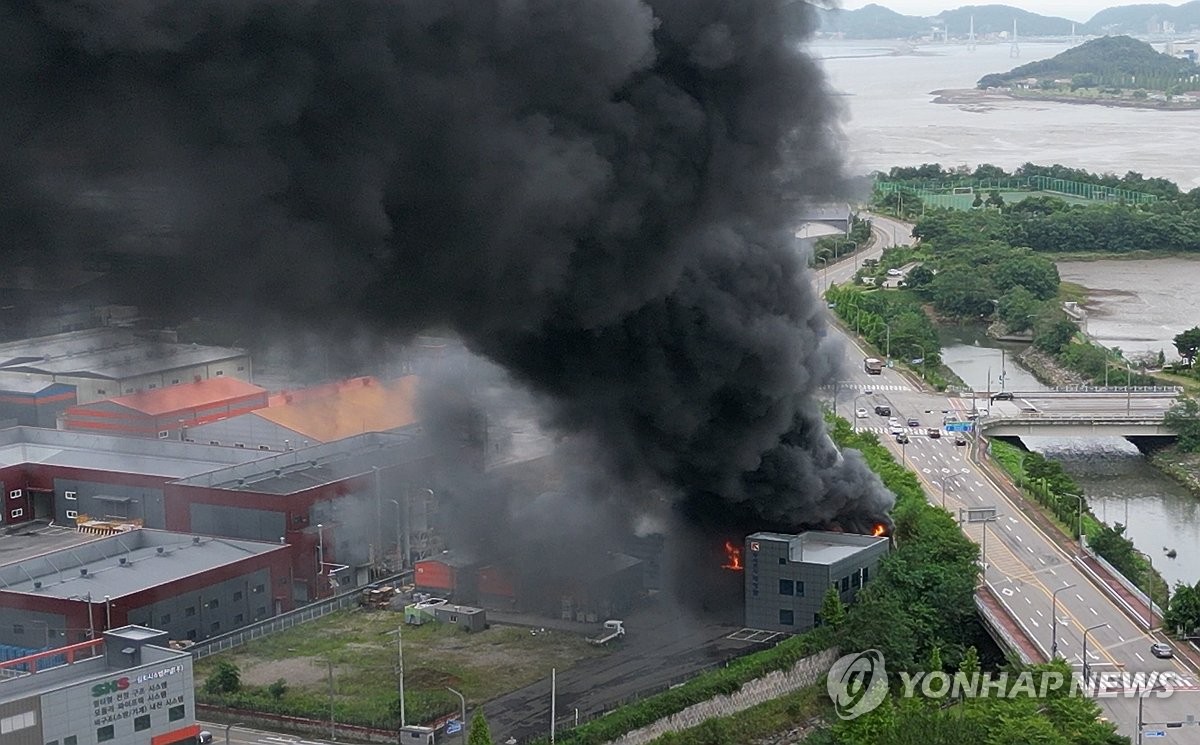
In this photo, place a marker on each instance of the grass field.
(361, 646)
(964, 201)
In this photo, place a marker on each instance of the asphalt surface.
(1024, 566)
(247, 736)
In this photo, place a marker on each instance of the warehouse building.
(127, 687)
(34, 402)
(354, 509)
(322, 414)
(55, 475)
(786, 576)
(192, 587)
(167, 412)
(114, 361)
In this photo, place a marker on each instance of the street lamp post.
(320, 549)
(1085, 658)
(463, 731)
(1079, 527)
(1054, 620)
(985, 522)
(229, 727)
(944, 480)
(922, 349)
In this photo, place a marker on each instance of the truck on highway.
(873, 365)
(612, 630)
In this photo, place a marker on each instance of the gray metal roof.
(297, 470)
(23, 383)
(107, 353)
(61, 573)
(821, 547)
(169, 458)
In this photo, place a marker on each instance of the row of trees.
(1132, 180)
(893, 322)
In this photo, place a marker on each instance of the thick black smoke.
(597, 196)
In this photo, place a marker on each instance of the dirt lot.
(361, 646)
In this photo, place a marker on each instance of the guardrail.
(1042, 416)
(1141, 389)
(999, 627)
(267, 626)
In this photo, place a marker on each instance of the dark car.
(883, 410)
(1162, 651)
(959, 440)
(902, 438)
(914, 422)
(934, 432)
(1003, 396)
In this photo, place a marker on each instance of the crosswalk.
(864, 387)
(906, 430)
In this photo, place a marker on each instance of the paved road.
(247, 736)
(1023, 565)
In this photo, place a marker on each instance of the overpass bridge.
(1075, 425)
(1091, 411)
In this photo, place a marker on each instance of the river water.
(890, 119)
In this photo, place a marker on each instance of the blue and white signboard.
(1155, 733)
(958, 426)
(453, 727)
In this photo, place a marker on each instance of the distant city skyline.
(1075, 10)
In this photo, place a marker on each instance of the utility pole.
(400, 666)
(332, 725)
(378, 519)
(553, 701)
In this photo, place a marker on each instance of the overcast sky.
(1076, 10)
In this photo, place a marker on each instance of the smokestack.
(598, 197)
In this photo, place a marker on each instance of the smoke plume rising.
(598, 197)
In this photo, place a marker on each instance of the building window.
(237, 595)
(845, 584)
(175, 381)
(72, 514)
(189, 611)
(15, 494)
(214, 603)
(18, 512)
(141, 723)
(239, 444)
(152, 386)
(191, 634)
(214, 442)
(175, 713)
(18, 722)
(865, 574)
(259, 588)
(856, 580)
(799, 589)
(163, 434)
(129, 390)
(786, 617)
(264, 447)
(220, 373)
(782, 560)
(216, 626)
(101, 392)
(238, 618)
(52, 742)
(261, 612)
(70, 495)
(241, 368)
(166, 619)
(18, 628)
(104, 734)
(70, 740)
(787, 587)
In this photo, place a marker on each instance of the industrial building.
(191, 587)
(322, 414)
(786, 576)
(34, 402)
(114, 361)
(126, 687)
(167, 412)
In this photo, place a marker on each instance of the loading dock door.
(42, 503)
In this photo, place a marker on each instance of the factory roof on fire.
(820, 547)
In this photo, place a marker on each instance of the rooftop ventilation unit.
(195, 540)
(123, 561)
(37, 585)
(83, 572)
(160, 550)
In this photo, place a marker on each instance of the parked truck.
(612, 630)
(873, 365)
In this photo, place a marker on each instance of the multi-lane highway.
(1024, 567)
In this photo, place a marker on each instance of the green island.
(1110, 70)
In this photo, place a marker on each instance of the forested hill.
(1133, 19)
(1119, 60)
(877, 22)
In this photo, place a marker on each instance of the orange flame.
(733, 557)
(879, 529)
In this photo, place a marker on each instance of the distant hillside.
(1146, 18)
(994, 19)
(872, 22)
(1116, 61)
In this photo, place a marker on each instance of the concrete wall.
(92, 389)
(146, 503)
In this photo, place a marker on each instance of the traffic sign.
(958, 426)
(453, 727)
(1155, 733)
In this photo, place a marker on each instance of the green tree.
(1187, 344)
(833, 611)
(978, 202)
(226, 678)
(1183, 612)
(969, 665)
(1184, 419)
(1053, 330)
(919, 278)
(994, 199)
(277, 689)
(1018, 309)
(1037, 274)
(480, 734)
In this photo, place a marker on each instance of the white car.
(894, 273)
(893, 422)
(895, 429)
(861, 413)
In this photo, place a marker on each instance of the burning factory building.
(597, 198)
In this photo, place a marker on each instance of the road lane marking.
(1093, 610)
(1041, 614)
(1139, 656)
(1018, 538)
(1079, 596)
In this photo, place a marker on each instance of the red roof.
(187, 395)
